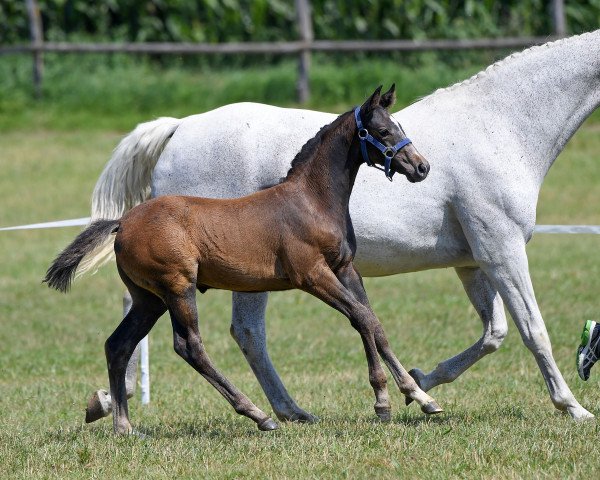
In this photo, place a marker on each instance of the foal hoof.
(384, 414)
(414, 373)
(268, 425)
(431, 408)
(98, 406)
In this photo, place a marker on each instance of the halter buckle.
(389, 152)
(363, 133)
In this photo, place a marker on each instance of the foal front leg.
(353, 303)
(352, 280)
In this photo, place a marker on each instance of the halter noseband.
(388, 152)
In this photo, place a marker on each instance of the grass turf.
(499, 421)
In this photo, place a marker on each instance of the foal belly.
(239, 278)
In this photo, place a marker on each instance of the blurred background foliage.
(269, 20)
(118, 90)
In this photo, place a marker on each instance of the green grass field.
(499, 421)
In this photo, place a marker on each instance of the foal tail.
(97, 239)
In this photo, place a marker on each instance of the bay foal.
(297, 234)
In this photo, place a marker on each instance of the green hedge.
(265, 20)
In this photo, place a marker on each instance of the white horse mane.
(506, 61)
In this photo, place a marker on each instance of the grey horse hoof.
(306, 418)
(431, 408)
(384, 414)
(98, 406)
(414, 373)
(300, 416)
(268, 425)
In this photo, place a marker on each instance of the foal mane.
(309, 149)
(507, 61)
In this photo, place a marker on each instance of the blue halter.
(388, 152)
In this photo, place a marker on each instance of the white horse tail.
(125, 181)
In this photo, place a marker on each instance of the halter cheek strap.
(388, 152)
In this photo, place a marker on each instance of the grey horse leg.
(511, 278)
(489, 306)
(248, 330)
(100, 405)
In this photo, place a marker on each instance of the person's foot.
(589, 349)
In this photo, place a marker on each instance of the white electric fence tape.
(144, 352)
(591, 229)
(61, 223)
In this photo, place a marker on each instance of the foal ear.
(388, 98)
(372, 101)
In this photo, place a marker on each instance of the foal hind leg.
(142, 316)
(489, 306)
(188, 344)
(99, 405)
(248, 330)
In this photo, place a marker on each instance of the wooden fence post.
(35, 29)
(558, 17)
(306, 35)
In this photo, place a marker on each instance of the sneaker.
(589, 349)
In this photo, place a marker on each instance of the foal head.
(388, 138)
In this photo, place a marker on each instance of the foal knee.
(378, 379)
(180, 347)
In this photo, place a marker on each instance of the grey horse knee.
(494, 337)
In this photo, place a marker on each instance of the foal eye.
(384, 132)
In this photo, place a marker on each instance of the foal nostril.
(422, 169)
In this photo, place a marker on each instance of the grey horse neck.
(542, 93)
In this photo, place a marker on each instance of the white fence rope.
(144, 350)
(586, 229)
(61, 223)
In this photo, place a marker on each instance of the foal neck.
(327, 165)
